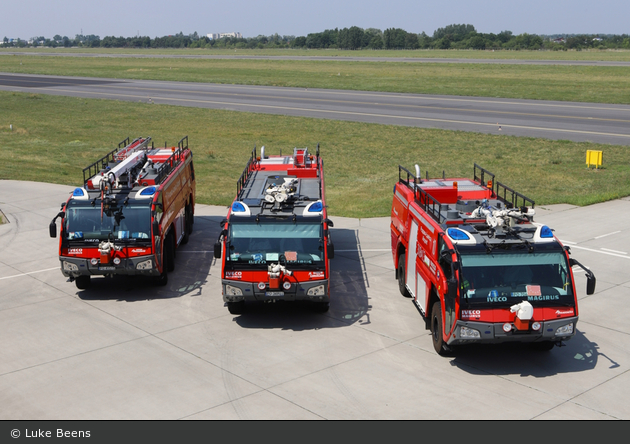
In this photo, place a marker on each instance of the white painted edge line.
(613, 251)
(30, 272)
(599, 251)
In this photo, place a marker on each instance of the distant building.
(221, 35)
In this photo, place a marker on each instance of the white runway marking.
(30, 272)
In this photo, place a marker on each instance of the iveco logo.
(471, 312)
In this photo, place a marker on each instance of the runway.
(580, 122)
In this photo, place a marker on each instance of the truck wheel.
(82, 282)
(191, 219)
(187, 225)
(401, 277)
(321, 307)
(162, 279)
(236, 308)
(169, 254)
(436, 330)
(543, 346)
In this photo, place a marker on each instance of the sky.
(157, 18)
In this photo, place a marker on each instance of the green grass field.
(54, 138)
(594, 54)
(600, 84)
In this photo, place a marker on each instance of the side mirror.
(590, 277)
(329, 222)
(446, 256)
(156, 228)
(217, 249)
(590, 283)
(331, 251)
(52, 228)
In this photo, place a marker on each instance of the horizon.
(154, 18)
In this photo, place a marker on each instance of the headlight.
(536, 326)
(565, 330)
(69, 266)
(116, 261)
(316, 291)
(233, 291)
(94, 261)
(469, 333)
(144, 265)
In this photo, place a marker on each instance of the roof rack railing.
(114, 156)
(405, 176)
(164, 169)
(430, 205)
(481, 177)
(246, 172)
(511, 198)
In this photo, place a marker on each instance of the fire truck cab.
(477, 266)
(275, 244)
(136, 206)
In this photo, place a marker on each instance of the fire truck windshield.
(300, 244)
(83, 222)
(504, 279)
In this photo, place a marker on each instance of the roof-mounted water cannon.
(496, 217)
(278, 194)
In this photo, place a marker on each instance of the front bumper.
(493, 333)
(74, 267)
(237, 291)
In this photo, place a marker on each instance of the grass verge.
(54, 138)
(599, 84)
(583, 55)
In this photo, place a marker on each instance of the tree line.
(455, 36)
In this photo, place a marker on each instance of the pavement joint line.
(609, 234)
(30, 272)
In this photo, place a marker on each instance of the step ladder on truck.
(477, 266)
(135, 208)
(275, 243)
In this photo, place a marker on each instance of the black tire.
(436, 330)
(236, 308)
(321, 307)
(401, 276)
(169, 254)
(162, 279)
(186, 233)
(543, 345)
(83, 282)
(187, 225)
(191, 219)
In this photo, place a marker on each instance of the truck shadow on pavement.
(348, 295)
(576, 355)
(193, 264)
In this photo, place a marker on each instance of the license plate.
(106, 268)
(274, 293)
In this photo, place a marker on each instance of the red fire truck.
(275, 242)
(477, 265)
(136, 206)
